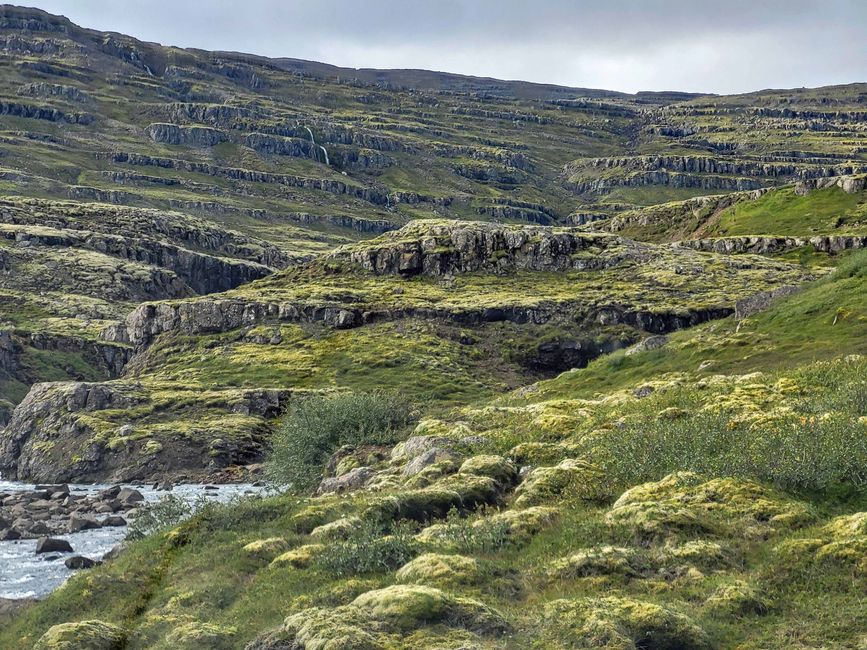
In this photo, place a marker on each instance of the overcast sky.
(721, 46)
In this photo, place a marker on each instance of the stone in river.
(52, 545)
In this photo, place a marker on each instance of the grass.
(785, 212)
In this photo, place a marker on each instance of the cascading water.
(313, 142)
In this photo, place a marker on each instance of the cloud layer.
(627, 45)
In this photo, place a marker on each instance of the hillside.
(525, 366)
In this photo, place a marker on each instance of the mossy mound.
(266, 549)
(737, 598)
(620, 624)
(297, 558)
(599, 561)
(495, 467)
(462, 492)
(377, 619)
(573, 479)
(83, 635)
(196, 635)
(685, 502)
(843, 545)
(338, 529)
(440, 569)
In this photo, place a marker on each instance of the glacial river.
(23, 574)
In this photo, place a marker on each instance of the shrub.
(318, 426)
(461, 533)
(369, 550)
(165, 513)
(815, 443)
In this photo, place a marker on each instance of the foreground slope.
(689, 509)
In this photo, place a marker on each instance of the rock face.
(51, 437)
(764, 245)
(442, 248)
(201, 136)
(47, 406)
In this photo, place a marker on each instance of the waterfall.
(313, 142)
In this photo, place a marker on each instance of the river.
(23, 574)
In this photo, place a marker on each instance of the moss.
(685, 503)
(571, 479)
(297, 558)
(737, 598)
(538, 453)
(83, 635)
(847, 526)
(338, 529)
(599, 561)
(621, 624)
(266, 549)
(404, 607)
(324, 629)
(440, 570)
(313, 515)
(495, 467)
(463, 492)
(702, 552)
(196, 635)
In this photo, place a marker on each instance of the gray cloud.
(697, 45)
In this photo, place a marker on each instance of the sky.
(721, 46)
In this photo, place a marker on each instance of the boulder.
(78, 523)
(114, 521)
(52, 545)
(129, 496)
(80, 562)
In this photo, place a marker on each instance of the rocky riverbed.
(91, 519)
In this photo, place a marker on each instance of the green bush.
(369, 550)
(318, 426)
(165, 513)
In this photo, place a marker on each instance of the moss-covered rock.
(440, 569)
(538, 453)
(847, 526)
(574, 479)
(266, 549)
(312, 516)
(325, 629)
(621, 624)
(687, 503)
(495, 467)
(406, 607)
(82, 635)
(297, 558)
(463, 492)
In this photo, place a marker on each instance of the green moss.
(571, 479)
(620, 623)
(685, 503)
(437, 569)
(84, 635)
